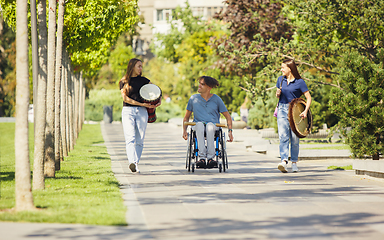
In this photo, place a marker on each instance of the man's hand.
(185, 135)
(230, 135)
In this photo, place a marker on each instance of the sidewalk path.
(253, 200)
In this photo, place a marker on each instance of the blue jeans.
(286, 135)
(134, 120)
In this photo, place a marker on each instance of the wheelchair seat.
(220, 149)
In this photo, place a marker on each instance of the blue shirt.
(295, 89)
(206, 111)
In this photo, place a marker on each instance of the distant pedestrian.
(292, 86)
(134, 113)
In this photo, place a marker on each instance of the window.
(159, 15)
(164, 14)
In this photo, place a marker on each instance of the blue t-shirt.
(289, 92)
(206, 111)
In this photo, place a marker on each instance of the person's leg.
(200, 129)
(141, 126)
(210, 130)
(295, 141)
(284, 135)
(129, 123)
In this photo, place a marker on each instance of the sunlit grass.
(83, 191)
(348, 167)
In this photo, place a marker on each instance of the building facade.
(155, 15)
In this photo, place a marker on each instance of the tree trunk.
(49, 164)
(63, 107)
(70, 110)
(23, 191)
(76, 107)
(35, 56)
(40, 111)
(58, 72)
(81, 103)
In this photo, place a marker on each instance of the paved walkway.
(253, 200)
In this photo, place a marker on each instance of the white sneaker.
(294, 167)
(283, 166)
(137, 168)
(132, 166)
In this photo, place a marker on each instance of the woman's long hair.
(127, 77)
(292, 65)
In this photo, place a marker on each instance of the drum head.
(301, 127)
(150, 92)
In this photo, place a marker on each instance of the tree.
(40, 111)
(24, 198)
(252, 23)
(92, 27)
(49, 160)
(7, 69)
(360, 104)
(58, 75)
(185, 54)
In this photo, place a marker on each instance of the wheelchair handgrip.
(217, 124)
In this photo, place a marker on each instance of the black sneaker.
(212, 163)
(201, 163)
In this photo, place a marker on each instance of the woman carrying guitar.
(134, 113)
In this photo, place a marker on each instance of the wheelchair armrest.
(217, 124)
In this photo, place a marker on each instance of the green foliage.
(261, 114)
(85, 185)
(7, 71)
(97, 99)
(8, 8)
(185, 54)
(168, 110)
(110, 73)
(359, 105)
(348, 167)
(92, 27)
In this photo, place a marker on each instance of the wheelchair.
(193, 149)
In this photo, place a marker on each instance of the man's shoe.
(212, 163)
(294, 167)
(201, 163)
(137, 168)
(132, 166)
(283, 166)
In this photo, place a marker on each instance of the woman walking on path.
(292, 86)
(134, 113)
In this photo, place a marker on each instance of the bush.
(167, 111)
(98, 98)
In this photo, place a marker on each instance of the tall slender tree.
(58, 77)
(35, 54)
(49, 164)
(24, 198)
(40, 111)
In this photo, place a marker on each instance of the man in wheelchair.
(206, 108)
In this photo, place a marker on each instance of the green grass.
(324, 146)
(84, 191)
(348, 167)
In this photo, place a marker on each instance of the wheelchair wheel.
(188, 155)
(189, 152)
(223, 153)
